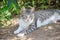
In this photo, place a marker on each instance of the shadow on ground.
(48, 32)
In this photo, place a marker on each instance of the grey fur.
(41, 17)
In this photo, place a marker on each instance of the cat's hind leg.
(57, 17)
(48, 21)
(52, 19)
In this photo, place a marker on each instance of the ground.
(48, 32)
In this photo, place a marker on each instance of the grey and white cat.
(30, 21)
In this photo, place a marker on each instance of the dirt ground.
(48, 32)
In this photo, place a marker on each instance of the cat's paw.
(16, 32)
(23, 33)
(20, 34)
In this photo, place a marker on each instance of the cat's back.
(44, 14)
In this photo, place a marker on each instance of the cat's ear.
(32, 9)
(23, 9)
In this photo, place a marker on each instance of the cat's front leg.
(21, 27)
(23, 33)
(31, 28)
(18, 30)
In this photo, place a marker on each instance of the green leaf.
(4, 9)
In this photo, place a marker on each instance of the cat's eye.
(24, 17)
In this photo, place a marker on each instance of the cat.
(30, 21)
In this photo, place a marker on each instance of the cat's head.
(27, 15)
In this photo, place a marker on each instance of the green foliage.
(10, 7)
(44, 1)
(43, 7)
(5, 15)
